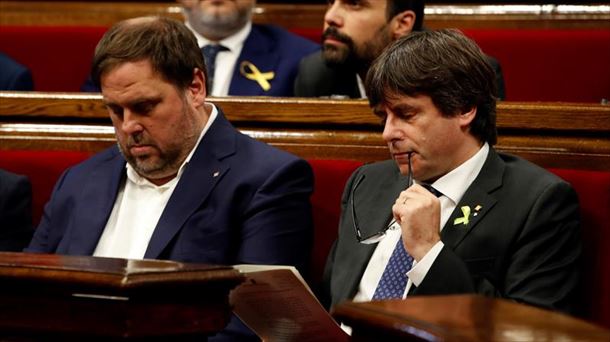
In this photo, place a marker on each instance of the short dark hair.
(397, 6)
(169, 45)
(445, 65)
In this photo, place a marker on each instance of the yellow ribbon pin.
(251, 72)
(464, 219)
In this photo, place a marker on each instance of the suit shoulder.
(519, 169)
(284, 39)
(379, 169)
(108, 155)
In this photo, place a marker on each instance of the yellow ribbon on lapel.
(464, 219)
(251, 72)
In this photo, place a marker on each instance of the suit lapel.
(476, 202)
(99, 195)
(201, 175)
(261, 52)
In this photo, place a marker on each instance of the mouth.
(402, 156)
(330, 40)
(140, 150)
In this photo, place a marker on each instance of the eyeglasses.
(381, 234)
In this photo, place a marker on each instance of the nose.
(130, 124)
(333, 16)
(391, 133)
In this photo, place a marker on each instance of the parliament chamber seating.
(544, 57)
(41, 134)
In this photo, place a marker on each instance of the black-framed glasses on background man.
(380, 234)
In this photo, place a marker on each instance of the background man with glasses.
(467, 218)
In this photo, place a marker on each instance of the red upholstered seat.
(330, 179)
(58, 56)
(550, 64)
(43, 168)
(538, 64)
(593, 187)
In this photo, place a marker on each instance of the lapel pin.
(476, 209)
(251, 72)
(464, 219)
(216, 174)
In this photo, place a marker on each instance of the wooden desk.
(462, 318)
(54, 297)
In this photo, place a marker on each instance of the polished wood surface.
(462, 318)
(308, 16)
(75, 297)
(561, 135)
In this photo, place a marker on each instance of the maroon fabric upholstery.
(59, 57)
(551, 64)
(593, 187)
(330, 179)
(43, 168)
(538, 64)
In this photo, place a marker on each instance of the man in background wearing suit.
(355, 33)
(260, 60)
(14, 76)
(15, 211)
(183, 184)
(474, 220)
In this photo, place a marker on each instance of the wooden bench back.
(553, 135)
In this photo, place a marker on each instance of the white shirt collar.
(453, 185)
(134, 177)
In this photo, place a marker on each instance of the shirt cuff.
(420, 269)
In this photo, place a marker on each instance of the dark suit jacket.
(15, 211)
(316, 79)
(14, 76)
(523, 244)
(269, 48)
(238, 201)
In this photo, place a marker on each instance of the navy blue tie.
(209, 54)
(393, 281)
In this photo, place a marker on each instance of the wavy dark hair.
(169, 45)
(445, 65)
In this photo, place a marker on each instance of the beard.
(217, 25)
(167, 161)
(350, 54)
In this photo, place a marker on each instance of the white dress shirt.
(453, 185)
(137, 209)
(225, 60)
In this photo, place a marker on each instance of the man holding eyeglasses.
(449, 214)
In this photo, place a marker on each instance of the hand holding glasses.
(381, 234)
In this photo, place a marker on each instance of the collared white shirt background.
(225, 60)
(137, 209)
(453, 185)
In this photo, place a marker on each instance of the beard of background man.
(216, 23)
(350, 54)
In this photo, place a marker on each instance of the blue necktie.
(394, 278)
(209, 54)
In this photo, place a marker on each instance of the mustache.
(138, 140)
(332, 32)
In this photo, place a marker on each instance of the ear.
(187, 4)
(467, 117)
(197, 90)
(402, 24)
